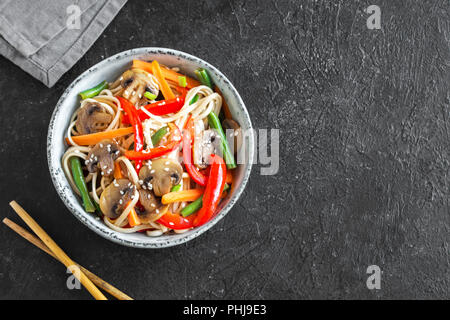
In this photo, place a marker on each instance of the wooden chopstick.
(38, 243)
(59, 253)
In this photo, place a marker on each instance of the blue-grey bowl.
(110, 69)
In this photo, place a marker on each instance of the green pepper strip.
(194, 206)
(175, 188)
(158, 135)
(78, 178)
(182, 81)
(228, 156)
(150, 96)
(92, 92)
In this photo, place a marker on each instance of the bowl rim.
(105, 231)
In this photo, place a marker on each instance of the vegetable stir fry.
(149, 153)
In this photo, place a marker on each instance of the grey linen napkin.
(46, 38)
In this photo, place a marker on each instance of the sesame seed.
(166, 169)
(153, 171)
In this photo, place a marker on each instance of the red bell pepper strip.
(183, 91)
(174, 140)
(213, 190)
(176, 221)
(192, 170)
(158, 108)
(131, 111)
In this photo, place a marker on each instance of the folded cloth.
(47, 37)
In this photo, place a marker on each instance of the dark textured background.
(364, 171)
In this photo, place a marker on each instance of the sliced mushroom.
(160, 175)
(92, 118)
(134, 84)
(233, 133)
(102, 157)
(206, 142)
(153, 208)
(115, 198)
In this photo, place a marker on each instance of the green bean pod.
(78, 178)
(204, 78)
(194, 206)
(228, 156)
(194, 99)
(92, 92)
(158, 135)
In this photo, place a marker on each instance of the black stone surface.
(364, 146)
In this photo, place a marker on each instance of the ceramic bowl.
(110, 69)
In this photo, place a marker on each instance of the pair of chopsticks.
(45, 243)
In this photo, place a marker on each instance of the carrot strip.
(184, 195)
(168, 74)
(94, 138)
(133, 218)
(229, 177)
(187, 121)
(117, 171)
(166, 91)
